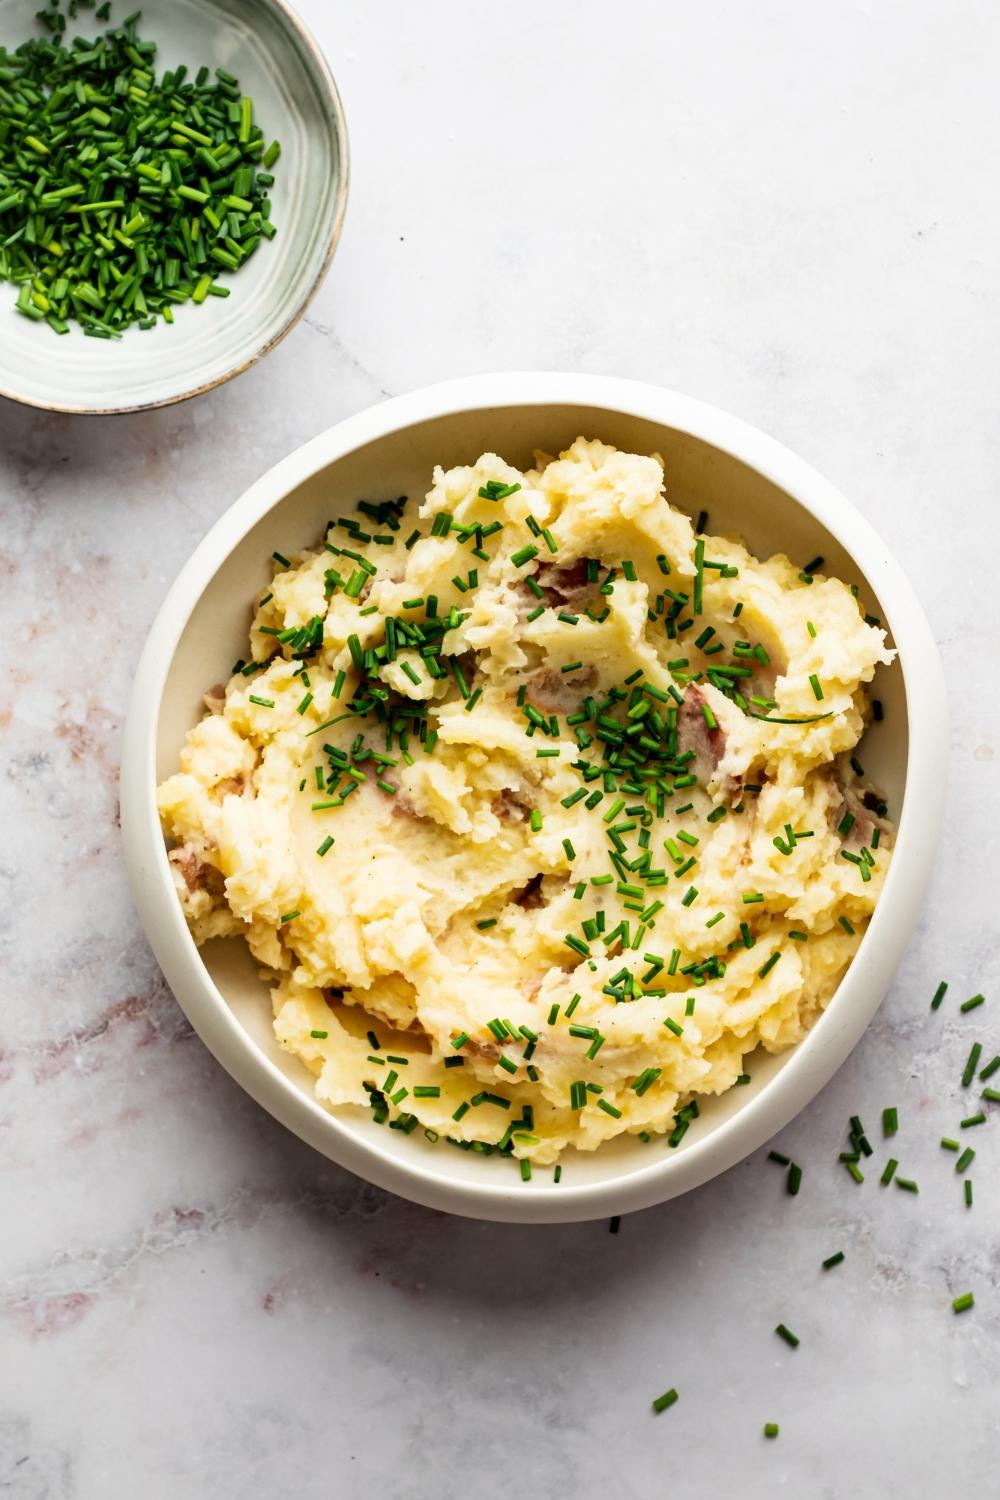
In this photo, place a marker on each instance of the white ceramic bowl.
(748, 483)
(278, 64)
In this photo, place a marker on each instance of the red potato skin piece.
(509, 807)
(861, 804)
(693, 733)
(555, 692)
(564, 582)
(188, 861)
(195, 871)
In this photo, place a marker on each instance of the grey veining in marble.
(789, 210)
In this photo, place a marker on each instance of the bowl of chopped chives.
(714, 465)
(172, 189)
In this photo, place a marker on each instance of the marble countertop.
(789, 211)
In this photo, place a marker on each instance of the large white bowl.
(748, 483)
(281, 68)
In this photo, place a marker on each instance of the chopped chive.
(972, 1064)
(699, 575)
(833, 1260)
(963, 1303)
(939, 994)
(789, 1337)
(771, 1429)
(973, 1003)
(667, 1399)
(890, 1121)
(889, 1171)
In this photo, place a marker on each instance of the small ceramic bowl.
(296, 102)
(749, 484)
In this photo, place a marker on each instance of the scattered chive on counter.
(123, 195)
(860, 1147)
(667, 1399)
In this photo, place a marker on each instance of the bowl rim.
(812, 1062)
(325, 75)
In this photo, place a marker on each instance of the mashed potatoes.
(536, 806)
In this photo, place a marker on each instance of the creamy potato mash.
(536, 805)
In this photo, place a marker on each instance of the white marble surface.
(786, 209)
